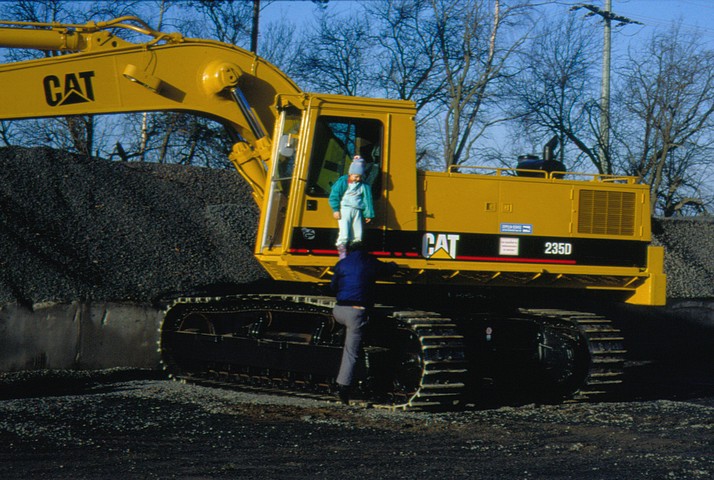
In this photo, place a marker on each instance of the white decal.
(558, 248)
(508, 246)
(439, 245)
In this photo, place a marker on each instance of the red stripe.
(459, 257)
(516, 260)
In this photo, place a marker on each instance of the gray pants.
(355, 320)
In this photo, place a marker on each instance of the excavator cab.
(317, 137)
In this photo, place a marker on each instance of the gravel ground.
(126, 424)
(94, 424)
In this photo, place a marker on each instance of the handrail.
(91, 27)
(554, 175)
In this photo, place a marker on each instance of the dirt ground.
(130, 424)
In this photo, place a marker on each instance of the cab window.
(337, 140)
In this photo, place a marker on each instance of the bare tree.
(112, 9)
(168, 137)
(6, 133)
(668, 90)
(37, 11)
(407, 51)
(281, 43)
(473, 58)
(228, 21)
(553, 92)
(408, 65)
(337, 60)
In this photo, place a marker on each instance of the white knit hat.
(357, 167)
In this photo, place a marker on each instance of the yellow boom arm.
(99, 72)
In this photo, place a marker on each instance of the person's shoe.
(342, 251)
(343, 393)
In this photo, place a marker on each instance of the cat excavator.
(500, 270)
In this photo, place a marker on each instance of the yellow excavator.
(495, 265)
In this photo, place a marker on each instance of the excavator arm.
(97, 72)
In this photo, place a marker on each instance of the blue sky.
(695, 15)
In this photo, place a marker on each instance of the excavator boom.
(100, 73)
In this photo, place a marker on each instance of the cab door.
(273, 224)
(337, 136)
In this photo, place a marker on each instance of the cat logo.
(439, 245)
(308, 233)
(74, 88)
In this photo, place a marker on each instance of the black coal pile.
(689, 258)
(75, 228)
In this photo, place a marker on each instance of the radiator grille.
(606, 212)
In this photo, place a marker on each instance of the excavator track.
(596, 348)
(436, 361)
(291, 344)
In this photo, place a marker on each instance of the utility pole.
(605, 92)
(608, 17)
(256, 23)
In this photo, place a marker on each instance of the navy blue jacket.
(355, 276)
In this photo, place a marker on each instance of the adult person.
(354, 282)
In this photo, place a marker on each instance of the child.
(351, 203)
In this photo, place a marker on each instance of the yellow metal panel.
(458, 203)
(473, 203)
(654, 290)
(400, 184)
